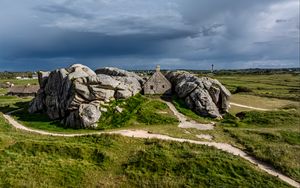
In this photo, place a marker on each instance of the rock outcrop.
(205, 96)
(74, 95)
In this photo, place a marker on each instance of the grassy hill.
(28, 160)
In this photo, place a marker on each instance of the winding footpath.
(249, 107)
(184, 123)
(144, 134)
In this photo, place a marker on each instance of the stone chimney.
(158, 68)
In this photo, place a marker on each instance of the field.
(281, 86)
(109, 160)
(96, 161)
(272, 136)
(20, 82)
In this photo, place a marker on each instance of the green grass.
(10, 103)
(282, 86)
(271, 136)
(137, 110)
(106, 161)
(20, 82)
(262, 102)
(3, 91)
(42, 122)
(29, 160)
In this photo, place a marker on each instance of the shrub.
(242, 89)
(231, 120)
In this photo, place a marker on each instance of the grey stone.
(112, 71)
(103, 109)
(123, 94)
(102, 94)
(157, 84)
(205, 96)
(74, 95)
(43, 77)
(119, 109)
(89, 115)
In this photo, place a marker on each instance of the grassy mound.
(136, 110)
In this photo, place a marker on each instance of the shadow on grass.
(15, 106)
(40, 121)
(25, 116)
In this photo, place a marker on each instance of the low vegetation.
(137, 110)
(271, 136)
(42, 122)
(282, 86)
(110, 160)
(242, 89)
(19, 82)
(10, 103)
(28, 160)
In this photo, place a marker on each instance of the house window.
(151, 87)
(163, 86)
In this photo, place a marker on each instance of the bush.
(242, 89)
(270, 118)
(230, 120)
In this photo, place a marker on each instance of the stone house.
(23, 91)
(157, 84)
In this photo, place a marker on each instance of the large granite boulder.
(73, 95)
(205, 96)
(112, 71)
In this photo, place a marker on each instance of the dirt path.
(250, 107)
(184, 123)
(144, 134)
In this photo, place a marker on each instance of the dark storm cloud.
(177, 34)
(93, 44)
(61, 10)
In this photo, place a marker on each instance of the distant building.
(35, 77)
(23, 91)
(22, 78)
(157, 84)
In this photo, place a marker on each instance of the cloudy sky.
(138, 34)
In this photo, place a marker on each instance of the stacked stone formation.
(205, 96)
(77, 95)
(73, 95)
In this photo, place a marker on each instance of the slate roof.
(24, 89)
